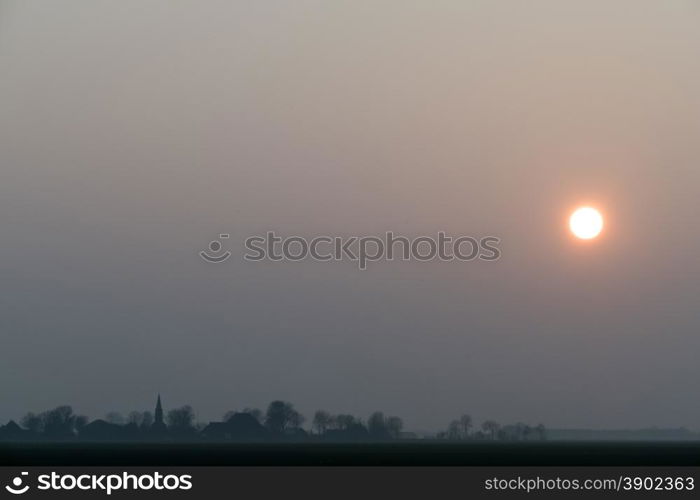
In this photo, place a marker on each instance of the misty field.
(389, 454)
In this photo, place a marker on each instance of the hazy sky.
(133, 133)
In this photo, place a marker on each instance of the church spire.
(159, 412)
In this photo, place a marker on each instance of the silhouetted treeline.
(463, 429)
(280, 422)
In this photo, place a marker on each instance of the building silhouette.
(239, 427)
(158, 427)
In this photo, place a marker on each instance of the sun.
(586, 223)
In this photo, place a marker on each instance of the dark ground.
(388, 454)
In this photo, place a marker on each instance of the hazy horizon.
(134, 133)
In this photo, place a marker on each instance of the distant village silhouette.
(281, 422)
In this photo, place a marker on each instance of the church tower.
(158, 428)
(159, 413)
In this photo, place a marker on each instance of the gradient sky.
(133, 133)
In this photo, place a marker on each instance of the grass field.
(389, 454)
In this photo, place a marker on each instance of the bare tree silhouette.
(181, 420)
(322, 421)
(281, 416)
(465, 424)
(491, 427)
